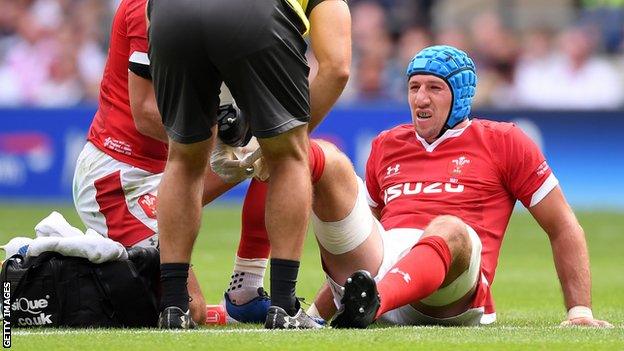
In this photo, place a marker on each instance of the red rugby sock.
(316, 160)
(415, 276)
(254, 241)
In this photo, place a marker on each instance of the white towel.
(55, 225)
(55, 234)
(15, 245)
(93, 247)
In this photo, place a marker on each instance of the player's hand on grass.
(582, 316)
(197, 306)
(586, 322)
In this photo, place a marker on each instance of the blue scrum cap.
(456, 69)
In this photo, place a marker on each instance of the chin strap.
(442, 131)
(446, 127)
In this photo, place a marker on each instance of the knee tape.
(348, 233)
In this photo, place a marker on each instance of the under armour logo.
(185, 323)
(406, 276)
(392, 170)
(287, 323)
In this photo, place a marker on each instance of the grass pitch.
(528, 298)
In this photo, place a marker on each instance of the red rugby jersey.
(113, 130)
(476, 173)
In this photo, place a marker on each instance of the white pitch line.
(157, 331)
(139, 331)
(252, 331)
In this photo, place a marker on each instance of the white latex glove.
(251, 155)
(235, 164)
(261, 171)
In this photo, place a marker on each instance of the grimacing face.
(430, 100)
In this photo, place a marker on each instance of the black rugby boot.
(277, 318)
(359, 303)
(174, 318)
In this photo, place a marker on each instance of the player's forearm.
(325, 89)
(214, 187)
(148, 123)
(144, 109)
(197, 303)
(330, 36)
(572, 264)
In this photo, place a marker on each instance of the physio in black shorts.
(256, 48)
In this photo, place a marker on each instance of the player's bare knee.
(190, 159)
(455, 232)
(328, 147)
(337, 164)
(447, 225)
(332, 154)
(336, 191)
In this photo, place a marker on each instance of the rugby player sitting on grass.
(441, 192)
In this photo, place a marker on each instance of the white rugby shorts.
(116, 199)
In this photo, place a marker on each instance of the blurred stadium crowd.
(555, 54)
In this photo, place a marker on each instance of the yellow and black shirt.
(303, 8)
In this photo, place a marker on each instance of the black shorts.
(255, 47)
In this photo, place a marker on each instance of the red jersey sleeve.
(137, 28)
(525, 170)
(372, 183)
